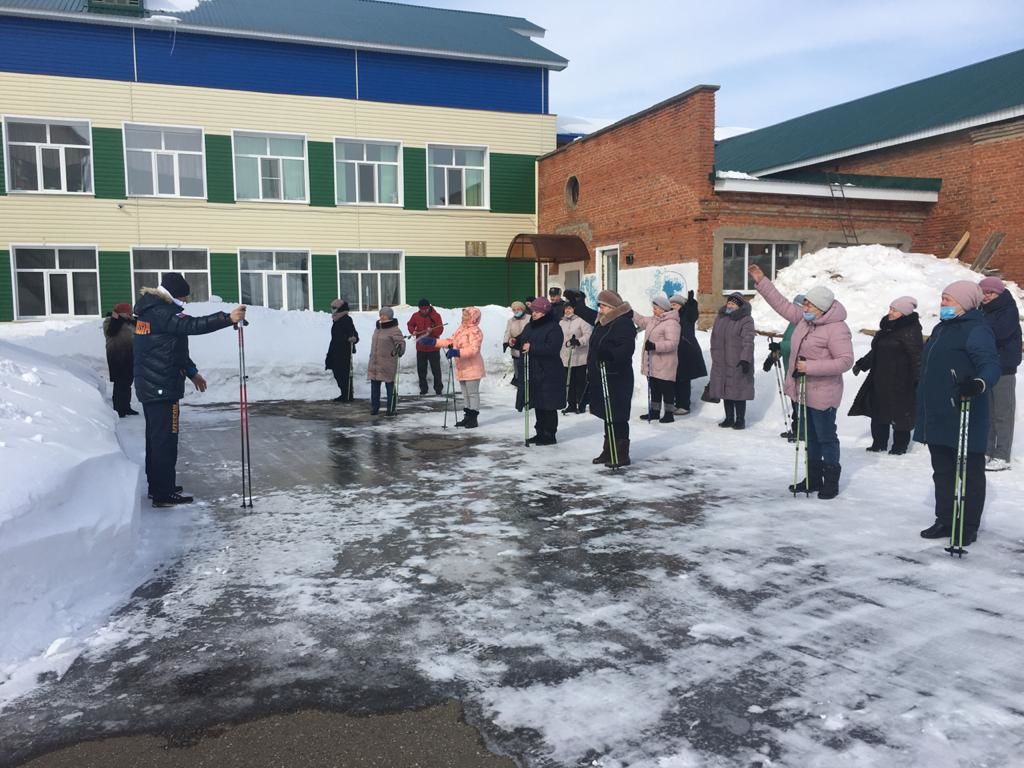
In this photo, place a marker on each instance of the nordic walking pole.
(393, 404)
(351, 370)
(956, 534)
(803, 419)
(526, 398)
(782, 396)
(243, 405)
(613, 449)
(241, 410)
(451, 393)
(801, 435)
(568, 376)
(649, 374)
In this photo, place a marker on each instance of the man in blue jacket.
(959, 363)
(161, 364)
(1003, 318)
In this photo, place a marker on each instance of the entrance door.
(608, 259)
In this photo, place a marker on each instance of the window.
(455, 177)
(572, 280)
(572, 192)
(771, 257)
(164, 161)
(149, 265)
(370, 280)
(57, 281)
(608, 259)
(49, 155)
(367, 172)
(270, 167)
(274, 279)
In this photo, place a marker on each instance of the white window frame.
(13, 247)
(726, 290)
(400, 272)
(175, 152)
(486, 180)
(599, 257)
(170, 250)
(269, 135)
(8, 165)
(275, 271)
(376, 183)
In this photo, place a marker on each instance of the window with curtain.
(164, 161)
(367, 172)
(738, 256)
(369, 280)
(149, 265)
(456, 177)
(48, 155)
(270, 167)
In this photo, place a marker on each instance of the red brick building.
(656, 201)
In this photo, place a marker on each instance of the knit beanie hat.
(176, 285)
(518, 305)
(821, 297)
(967, 294)
(678, 298)
(736, 298)
(387, 312)
(423, 303)
(993, 284)
(540, 304)
(661, 300)
(122, 309)
(609, 299)
(905, 305)
(339, 305)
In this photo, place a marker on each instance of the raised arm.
(776, 300)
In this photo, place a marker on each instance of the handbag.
(706, 396)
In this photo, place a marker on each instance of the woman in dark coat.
(959, 363)
(119, 331)
(691, 358)
(732, 360)
(541, 342)
(893, 364)
(612, 345)
(343, 348)
(1003, 318)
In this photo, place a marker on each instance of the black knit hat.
(423, 303)
(176, 285)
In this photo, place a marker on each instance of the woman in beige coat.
(660, 357)
(576, 346)
(386, 349)
(513, 330)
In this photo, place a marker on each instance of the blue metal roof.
(356, 23)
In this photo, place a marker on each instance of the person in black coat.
(959, 363)
(611, 347)
(119, 331)
(893, 365)
(579, 304)
(161, 364)
(691, 358)
(342, 349)
(541, 342)
(1003, 318)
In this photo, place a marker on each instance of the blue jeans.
(375, 396)
(822, 440)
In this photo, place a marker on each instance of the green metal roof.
(921, 184)
(965, 94)
(360, 23)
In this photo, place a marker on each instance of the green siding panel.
(3, 176)
(6, 288)
(220, 181)
(224, 276)
(513, 183)
(414, 171)
(115, 279)
(108, 163)
(457, 281)
(321, 174)
(325, 281)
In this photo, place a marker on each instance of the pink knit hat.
(905, 305)
(965, 293)
(993, 284)
(540, 304)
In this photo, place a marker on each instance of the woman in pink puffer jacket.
(821, 352)
(660, 356)
(464, 348)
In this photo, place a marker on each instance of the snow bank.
(68, 512)
(865, 279)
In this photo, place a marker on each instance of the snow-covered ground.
(809, 633)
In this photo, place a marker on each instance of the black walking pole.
(451, 394)
(243, 406)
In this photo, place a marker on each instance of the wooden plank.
(987, 251)
(960, 245)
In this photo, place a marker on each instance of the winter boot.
(651, 416)
(465, 417)
(545, 438)
(741, 415)
(470, 422)
(621, 453)
(900, 442)
(740, 424)
(604, 451)
(668, 418)
(830, 481)
(172, 501)
(730, 415)
(811, 483)
(879, 436)
(936, 530)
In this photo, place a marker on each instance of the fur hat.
(967, 294)
(821, 297)
(993, 284)
(661, 300)
(905, 305)
(540, 304)
(609, 298)
(122, 309)
(387, 312)
(736, 298)
(176, 285)
(554, 290)
(339, 305)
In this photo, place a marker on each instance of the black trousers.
(944, 476)
(661, 389)
(122, 398)
(621, 429)
(682, 393)
(546, 422)
(880, 435)
(576, 398)
(517, 363)
(161, 446)
(434, 359)
(735, 410)
(343, 376)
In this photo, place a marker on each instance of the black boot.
(811, 483)
(651, 416)
(465, 417)
(936, 530)
(621, 454)
(830, 481)
(470, 421)
(741, 415)
(879, 436)
(668, 418)
(900, 442)
(730, 418)
(604, 451)
(172, 501)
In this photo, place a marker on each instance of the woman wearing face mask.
(960, 362)
(887, 395)
(660, 356)
(576, 338)
(821, 351)
(542, 343)
(732, 360)
(513, 330)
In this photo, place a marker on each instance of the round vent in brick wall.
(572, 192)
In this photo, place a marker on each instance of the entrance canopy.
(544, 249)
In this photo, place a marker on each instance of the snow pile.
(865, 279)
(68, 512)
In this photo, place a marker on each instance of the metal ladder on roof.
(842, 205)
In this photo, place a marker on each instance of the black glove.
(744, 366)
(504, 347)
(689, 295)
(571, 296)
(856, 368)
(971, 388)
(861, 365)
(574, 342)
(769, 362)
(774, 346)
(649, 346)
